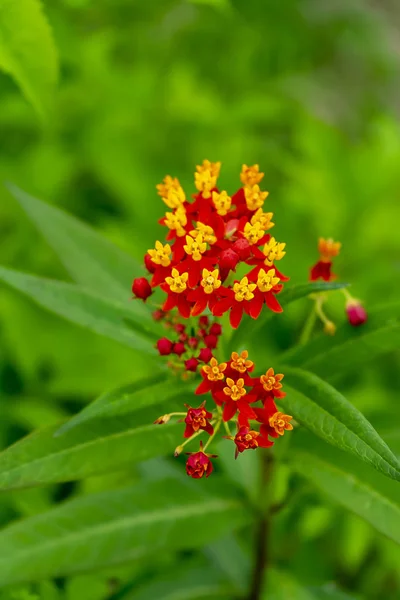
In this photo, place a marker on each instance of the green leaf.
(130, 398)
(27, 51)
(89, 257)
(349, 483)
(327, 413)
(281, 585)
(290, 293)
(96, 447)
(103, 316)
(352, 347)
(115, 527)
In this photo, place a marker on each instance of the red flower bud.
(203, 321)
(164, 346)
(191, 364)
(158, 314)
(198, 464)
(141, 288)
(356, 313)
(205, 355)
(193, 342)
(179, 349)
(243, 248)
(229, 259)
(150, 266)
(179, 327)
(183, 338)
(216, 329)
(211, 341)
(201, 333)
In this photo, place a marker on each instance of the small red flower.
(356, 313)
(179, 348)
(141, 288)
(191, 364)
(199, 464)
(248, 439)
(327, 249)
(197, 418)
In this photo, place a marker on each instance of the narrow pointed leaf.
(114, 527)
(99, 446)
(91, 260)
(289, 294)
(323, 410)
(352, 347)
(27, 51)
(351, 484)
(131, 398)
(125, 323)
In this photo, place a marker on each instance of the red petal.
(256, 306)
(199, 307)
(236, 315)
(229, 410)
(183, 306)
(204, 387)
(170, 302)
(272, 302)
(189, 431)
(221, 307)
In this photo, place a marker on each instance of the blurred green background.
(307, 89)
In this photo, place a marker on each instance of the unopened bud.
(191, 364)
(178, 451)
(205, 355)
(330, 328)
(164, 346)
(356, 313)
(216, 329)
(243, 248)
(162, 420)
(228, 259)
(141, 288)
(150, 266)
(179, 349)
(211, 341)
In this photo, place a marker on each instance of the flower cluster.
(207, 240)
(247, 401)
(356, 313)
(188, 345)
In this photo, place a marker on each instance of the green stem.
(308, 326)
(210, 439)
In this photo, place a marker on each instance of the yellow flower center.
(161, 255)
(266, 281)
(195, 247)
(176, 221)
(222, 202)
(215, 371)
(210, 281)
(270, 381)
(254, 197)
(235, 390)
(244, 290)
(207, 165)
(253, 233)
(177, 283)
(168, 183)
(273, 251)
(280, 423)
(240, 362)
(206, 231)
(328, 249)
(205, 181)
(263, 218)
(251, 175)
(175, 198)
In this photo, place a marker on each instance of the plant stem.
(308, 325)
(261, 557)
(210, 439)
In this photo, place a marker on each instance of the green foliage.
(112, 528)
(27, 51)
(148, 89)
(329, 415)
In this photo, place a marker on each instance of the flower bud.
(191, 364)
(179, 327)
(141, 288)
(164, 346)
(216, 329)
(205, 355)
(228, 259)
(243, 248)
(356, 313)
(178, 451)
(203, 321)
(183, 338)
(330, 328)
(162, 420)
(150, 266)
(193, 342)
(158, 314)
(211, 341)
(179, 348)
